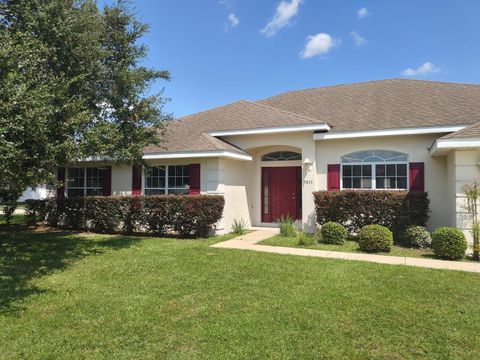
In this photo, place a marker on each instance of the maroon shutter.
(136, 180)
(417, 177)
(107, 181)
(194, 179)
(333, 177)
(61, 181)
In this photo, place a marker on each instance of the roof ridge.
(369, 82)
(284, 111)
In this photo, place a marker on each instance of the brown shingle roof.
(190, 133)
(470, 132)
(385, 104)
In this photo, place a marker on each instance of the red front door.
(281, 192)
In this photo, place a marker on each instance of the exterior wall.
(235, 186)
(464, 170)
(416, 146)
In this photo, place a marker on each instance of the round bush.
(333, 233)
(449, 243)
(418, 237)
(375, 238)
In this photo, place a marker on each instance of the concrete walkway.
(249, 242)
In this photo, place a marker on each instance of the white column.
(308, 186)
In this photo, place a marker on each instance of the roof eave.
(444, 146)
(198, 154)
(272, 130)
(388, 132)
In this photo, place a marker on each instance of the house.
(267, 157)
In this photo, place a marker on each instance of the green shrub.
(188, 216)
(395, 210)
(449, 243)
(318, 235)
(239, 227)
(375, 238)
(417, 237)
(305, 239)
(287, 227)
(333, 233)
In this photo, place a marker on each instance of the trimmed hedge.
(333, 233)
(395, 210)
(375, 238)
(185, 215)
(449, 243)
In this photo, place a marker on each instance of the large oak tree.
(72, 86)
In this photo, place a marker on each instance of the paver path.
(249, 242)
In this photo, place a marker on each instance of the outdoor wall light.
(307, 164)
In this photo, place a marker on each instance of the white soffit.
(197, 154)
(388, 132)
(442, 146)
(272, 130)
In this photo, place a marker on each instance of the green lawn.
(349, 246)
(17, 219)
(80, 296)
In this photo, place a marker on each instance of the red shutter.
(136, 180)
(333, 177)
(61, 180)
(194, 179)
(417, 177)
(107, 181)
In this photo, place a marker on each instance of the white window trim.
(85, 187)
(374, 177)
(166, 188)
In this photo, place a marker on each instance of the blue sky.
(221, 51)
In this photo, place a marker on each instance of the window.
(178, 179)
(155, 181)
(282, 156)
(84, 181)
(163, 180)
(374, 169)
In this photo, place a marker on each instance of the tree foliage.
(73, 86)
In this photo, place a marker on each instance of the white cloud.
(358, 39)
(233, 20)
(424, 70)
(318, 44)
(285, 11)
(362, 12)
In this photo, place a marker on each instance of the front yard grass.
(88, 296)
(349, 246)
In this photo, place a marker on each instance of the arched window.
(375, 169)
(282, 156)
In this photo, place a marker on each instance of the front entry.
(281, 192)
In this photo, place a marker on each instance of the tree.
(472, 192)
(72, 87)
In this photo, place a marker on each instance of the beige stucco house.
(267, 157)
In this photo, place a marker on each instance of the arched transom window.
(282, 156)
(374, 169)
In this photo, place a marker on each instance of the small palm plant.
(287, 229)
(472, 192)
(239, 227)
